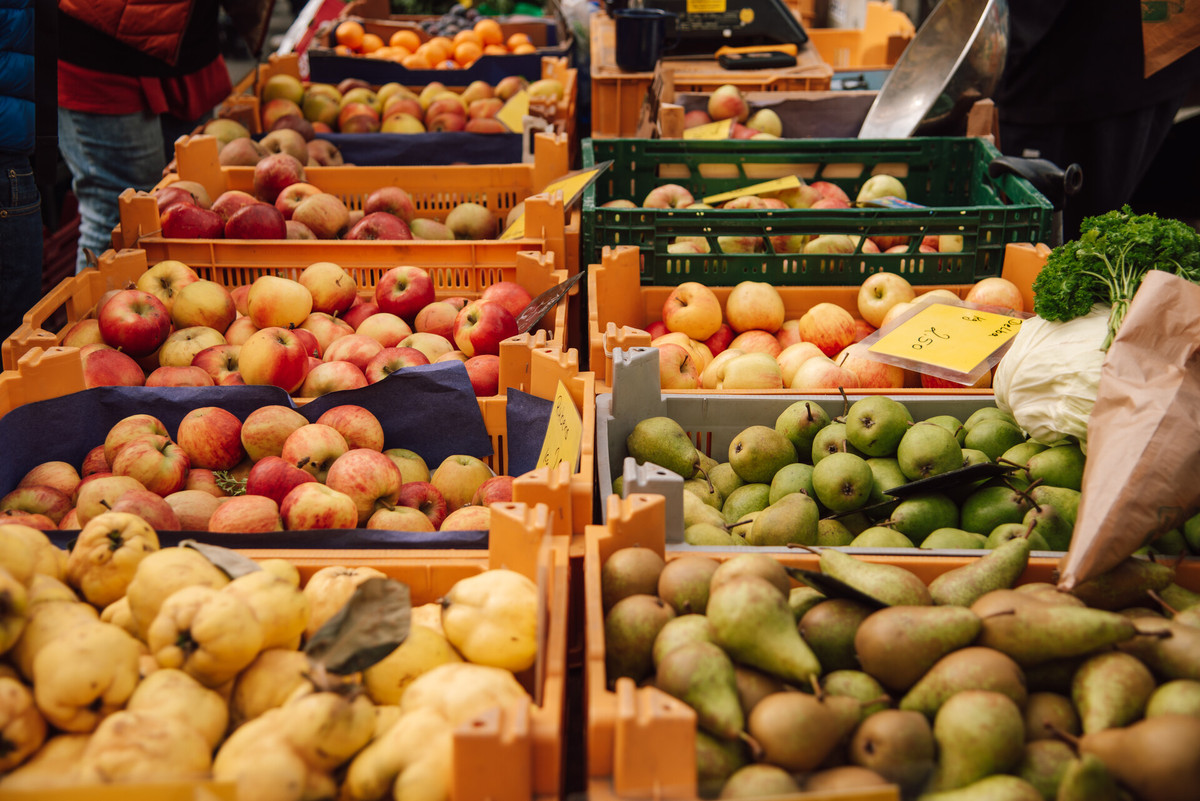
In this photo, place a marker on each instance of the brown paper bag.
(1170, 30)
(1140, 478)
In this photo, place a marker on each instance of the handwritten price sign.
(564, 433)
(951, 337)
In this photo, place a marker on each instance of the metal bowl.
(954, 60)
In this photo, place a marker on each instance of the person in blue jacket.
(20, 202)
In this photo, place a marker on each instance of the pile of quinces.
(126, 662)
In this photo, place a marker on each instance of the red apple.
(384, 327)
(360, 427)
(508, 294)
(129, 428)
(657, 329)
(60, 475)
(107, 367)
(170, 194)
(149, 506)
(299, 231)
(358, 349)
(83, 332)
(274, 173)
(379, 225)
(468, 518)
(326, 329)
(828, 326)
(755, 341)
(393, 200)
(998, 292)
(275, 301)
(177, 376)
(335, 376)
(266, 429)
(291, 195)
(497, 489)
(275, 477)
(156, 461)
(822, 372)
(360, 311)
(458, 477)
(829, 191)
(333, 289)
(94, 462)
(426, 498)
(312, 506)
(870, 372)
(399, 518)
(371, 479)
(219, 361)
(193, 508)
(481, 326)
(135, 321)
(246, 514)
(211, 437)
(100, 492)
(484, 372)
(204, 480)
(257, 221)
(39, 499)
(313, 448)
(404, 291)
(325, 215)
(392, 360)
(203, 303)
(230, 201)
(436, 318)
(273, 356)
(189, 221)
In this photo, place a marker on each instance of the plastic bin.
(618, 96)
(435, 191)
(619, 309)
(876, 46)
(805, 115)
(948, 175)
(243, 105)
(641, 741)
(75, 298)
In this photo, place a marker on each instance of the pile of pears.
(971, 688)
(813, 480)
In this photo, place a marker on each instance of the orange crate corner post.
(876, 45)
(41, 375)
(1022, 263)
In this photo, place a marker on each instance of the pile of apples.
(309, 336)
(273, 471)
(406, 47)
(728, 102)
(749, 344)
(284, 205)
(126, 663)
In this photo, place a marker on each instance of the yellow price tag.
(953, 337)
(514, 111)
(564, 433)
(516, 230)
(706, 6)
(710, 130)
(778, 185)
(571, 185)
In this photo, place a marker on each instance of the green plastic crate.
(949, 175)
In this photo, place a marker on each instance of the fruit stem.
(808, 548)
(756, 750)
(815, 681)
(1161, 634)
(1065, 736)
(1162, 602)
(1032, 525)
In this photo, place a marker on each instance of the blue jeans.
(107, 154)
(20, 241)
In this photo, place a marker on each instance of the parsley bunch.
(1108, 261)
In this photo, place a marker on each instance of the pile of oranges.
(406, 48)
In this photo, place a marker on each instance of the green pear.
(684, 583)
(1155, 758)
(896, 744)
(833, 532)
(1046, 713)
(986, 413)
(899, 645)
(856, 522)
(1191, 532)
(677, 631)
(997, 569)
(888, 584)
(916, 517)
(795, 477)
(1032, 631)
(881, 537)
(885, 471)
(951, 424)
(1170, 543)
(630, 629)
(1011, 531)
(803, 598)
(1170, 649)
(844, 778)
(1066, 501)
(832, 439)
(1043, 764)
(757, 781)
(979, 733)
(1000, 787)
(860, 686)
(1111, 690)
(843, 482)
(970, 668)
(695, 510)
(1087, 779)
(629, 571)
(993, 436)
(752, 621)
(663, 441)
(1018, 455)
(1178, 697)
(988, 507)
(1053, 528)
(746, 498)
(1125, 585)
(754, 685)
(829, 629)
(951, 539)
(758, 452)
(1060, 466)
(707, 534)
(928, 450)
(791, 519)
(762, 565)
(707, 463)
(1179, 598)
(743, 525)
(725, 479)
(875, 424)
(975, 456)
(800, 423)
(704, 491)
(618, 486)
(716, 761)
(797, 731)
(701, 675)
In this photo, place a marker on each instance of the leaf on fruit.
(228, 483)
(373, 623)
(228, 561)
(831, 587)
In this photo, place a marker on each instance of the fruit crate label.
(889, 202)
(710, 130)
(778, 185)
(513, 112)
(572, 186)
(706, 6)
(954, 338)
(564, 433)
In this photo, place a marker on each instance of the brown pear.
(972, 668)
(899, 644)
(629, 571)
(684, 583)
(797, 731)
(898, 745)
(1157, 758)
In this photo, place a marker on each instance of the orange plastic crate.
(435, 191)
(75, 298)
(619, 307)
(641, 741)
(875, 46)
(618, 96)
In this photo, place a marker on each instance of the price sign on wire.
(958, 342)
(721, 129)
(778, 185)
(564, 433)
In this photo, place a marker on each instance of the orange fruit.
(443, 41)
(495, 50)
(371, 42)
(396, 52)
(448, 64)
(524, 49)
(350, 33)
(407, 39)
(343, 50)
(489, 31)
(517, 39)
(467, 36)
(415, 61)
(436, 51)
(467, 52)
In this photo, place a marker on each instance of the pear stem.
(883, 699)
(756, 750)
(815, 681)
(704, 473)
(1032, 525)
(802, 546)
(1161, 634)
(1162, 602)
(845, 402)
(1065, 736)
(1001, 613)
